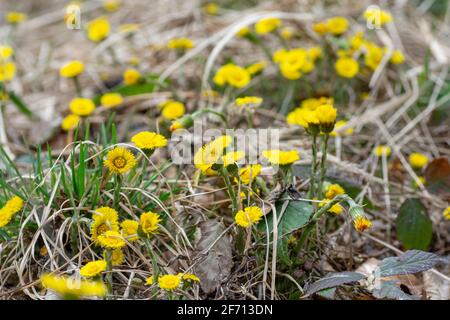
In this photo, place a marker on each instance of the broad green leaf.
(334, 280)
(414, 228)
(410, 262)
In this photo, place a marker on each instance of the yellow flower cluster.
(7, 67)
(248, 217)
(233, 75)
(70, 288)
(335, 26)
(180, 44)
(295, 62)
(314, 115)
(211, 153)
(7, 212)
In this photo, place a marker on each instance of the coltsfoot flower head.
(14, 17)
(243, 32)
(211, 8)
(172, 109)
(210, 153)
(233, 75)
(82, 107)
(397, 57)
(347, 67)
(131, 76)
(5, 52)
(326, 114)
(333, 190)
(249, 173)
(7, 71)
(149, 140)
(249, 102)
(104, 219)
(418, 160)
(111, 5)
(320, 28)
(337, 25)
(149, 281)
(71, 69)
(130, 230)
(119, 160)
(70, 288)
(376, 16)
(382, 150)
(446, 213)
(111, 100)
(111, 240)
(117, 257)
(11, 207)
(149, 222)
(98, 29)
(256, 68)
(169, 282)
(335, 209)
(278, 157)
(267, 25)
(189, 277)
(248, 217)
(362, 223)
(337, 132)
(287, 33)
(180, 44)
(231, 158)
(93, 268)
(70, 122)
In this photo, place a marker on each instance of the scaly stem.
(313, 167)
(109, 281)
(230, 189)
(117, 185)
(323, 167)
(78, 86)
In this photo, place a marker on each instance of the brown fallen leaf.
(437, 177)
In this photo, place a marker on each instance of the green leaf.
(414, 228)
(294, 215)
(20, 104)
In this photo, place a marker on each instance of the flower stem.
(313, 167)
(109, 282)
(78, 86)
(230, 189)
(117, 186)
(323, 167)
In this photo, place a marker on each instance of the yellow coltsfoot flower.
(278, 157)
(71, 288)
(169, 282)
(11, 207)
(111, 240)
(418, 160)
(82, 107)
(70, 122)
(149, 223)
(117, 256)
(14, 17)
(71, 69)
(248, 102)
(7, 71)
(233, 75)
(267, 25)
(248, 217)
(382, 150)
(337, 25)
(397, 57)
(111, 100)
(446, 213)
(104, 219)
(326, 114)
(172, 110)
(333, 190)
(362, 223)
(93, 268)
(119, 160)
(98, 29)
(131, 77)
(149, 140)
(130, 230)
(347, 67)
(180, 44)
(249, 173)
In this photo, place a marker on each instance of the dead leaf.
(437, 177)
(216, 262)
(435, 287)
